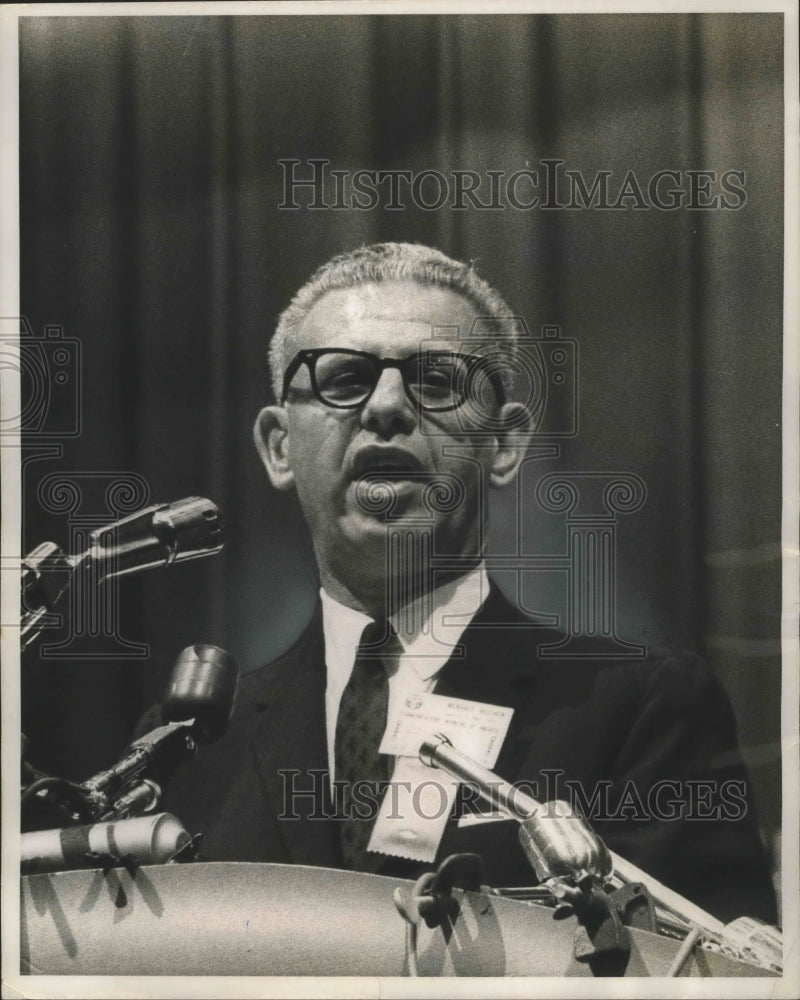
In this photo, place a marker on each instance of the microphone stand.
(46, 574)
(564, 851)
(198, 704)
(120, 802)
(156, 754)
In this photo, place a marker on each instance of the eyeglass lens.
(434, 379)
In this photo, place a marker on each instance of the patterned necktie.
(360, 726)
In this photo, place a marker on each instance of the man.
(391, 422)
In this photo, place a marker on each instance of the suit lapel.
(499, 667)
(290, 749)
(495, 654)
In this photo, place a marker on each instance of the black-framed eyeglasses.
(434, 380)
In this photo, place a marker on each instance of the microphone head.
(154, 536)
(202, 686)
(190, 527)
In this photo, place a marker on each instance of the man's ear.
(512, 443)
(271, 434)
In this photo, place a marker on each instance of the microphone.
(202, 688)
(155, 536)
(198, 705)
(46, 574)
(145, 840)
(557, 841)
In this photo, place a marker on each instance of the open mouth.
(390, 463)
(391, 472)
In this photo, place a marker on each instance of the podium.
(242, 919)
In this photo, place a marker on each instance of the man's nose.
(389, 410)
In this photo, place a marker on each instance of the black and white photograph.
(400, 499)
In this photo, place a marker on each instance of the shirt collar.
(342, 628)
(428, 627)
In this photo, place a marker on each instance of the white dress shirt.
(428, 628)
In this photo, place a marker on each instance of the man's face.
(400, 450)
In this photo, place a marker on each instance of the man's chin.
(363, 527)
(379, 502)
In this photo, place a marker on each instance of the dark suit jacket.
(627, 723)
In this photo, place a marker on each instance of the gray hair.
(392, 262)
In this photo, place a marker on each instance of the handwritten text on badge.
(473, 727)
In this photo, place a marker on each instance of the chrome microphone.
(145, 840)
(558, 841)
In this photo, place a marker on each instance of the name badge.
(420, 799)
(473, 727)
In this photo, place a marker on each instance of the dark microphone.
(197, 708)
(46, 573)
(155, 536)
(202, 688)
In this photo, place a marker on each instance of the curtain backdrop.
(153, 234)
